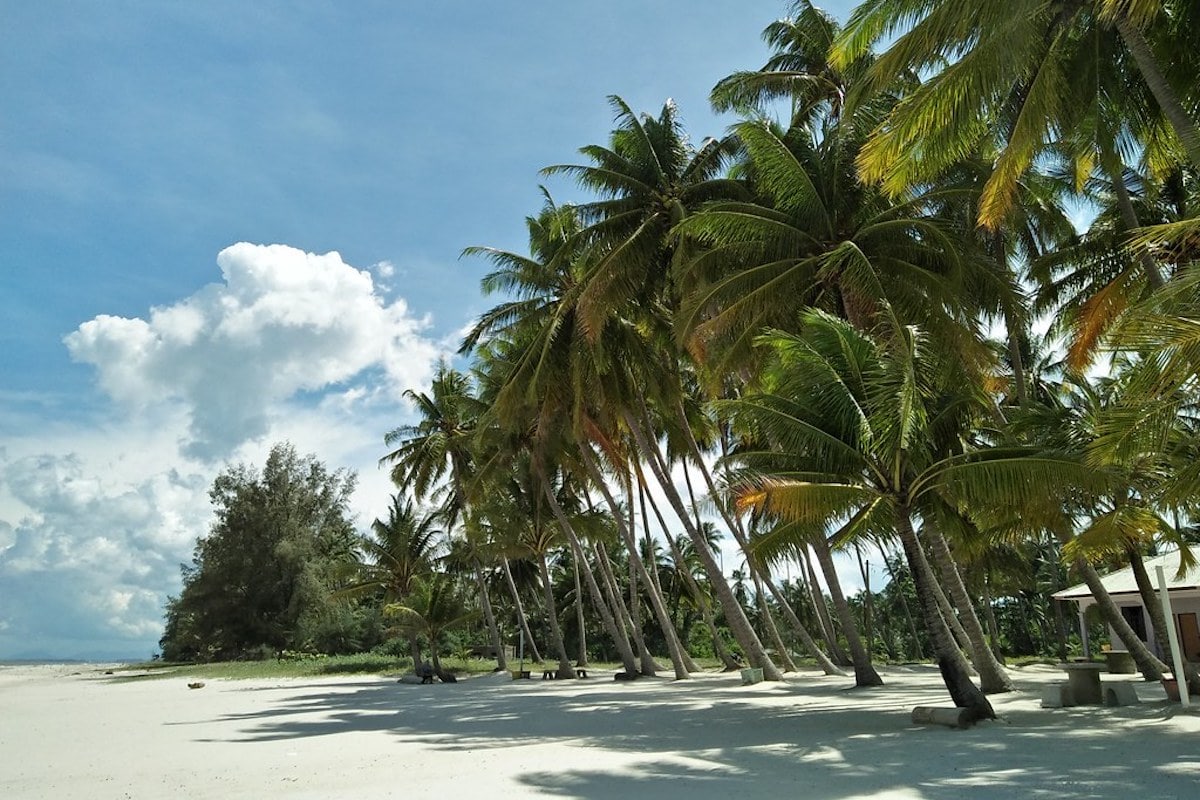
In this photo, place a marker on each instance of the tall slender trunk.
(731, 520)
(688, 664)
(1149, 266)
(992, 677)
(764, 609)
(1146, 589)
(414, 650)
(615, 629)
(564, 663)
(522, 618)
(822, 611)
(739, 625)
(582, 659)
(650, 667)
(1168, 101)
(993, 629)
(948, 613)
(864, 671)
(701, 599)
(868, 599)
(827, 665)
(682, 569)
(1012, 324)
(912, 627)
(953, 666)
(616, 622)
(488, 617)
(674, 649)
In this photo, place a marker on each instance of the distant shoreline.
(66, 662)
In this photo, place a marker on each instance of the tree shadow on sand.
(714, 738)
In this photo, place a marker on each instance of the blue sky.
(232, 223)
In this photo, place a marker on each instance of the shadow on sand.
(712, 738)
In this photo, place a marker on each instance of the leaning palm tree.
(852, 425)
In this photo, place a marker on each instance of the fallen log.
(950, 717)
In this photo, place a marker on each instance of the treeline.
(816, 332)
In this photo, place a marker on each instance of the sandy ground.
(74, 732)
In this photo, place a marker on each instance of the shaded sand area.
(73, 732)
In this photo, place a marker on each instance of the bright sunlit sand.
(74, 732)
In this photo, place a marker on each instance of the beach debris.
(196, 685)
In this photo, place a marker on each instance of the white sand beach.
(74, 732)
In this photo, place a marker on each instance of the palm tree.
(434, 458)
(1026, 69)
(853, 426)
(435, 607)
(814, 236)
(399, 551)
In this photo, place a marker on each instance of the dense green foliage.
(261, 580)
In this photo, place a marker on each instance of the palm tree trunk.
(582, 659)
(1148, 664)
(1154, 606)
(990, 615)
(912, 627)
(414, 650)
(953, 666)
(650, 667)
(521, 616)
(768, 620)
(868, 600)
(1129, 216)
(564, 663)
(739, 625)
(1012, 324)
(992, 677)
(827, 665)
(656, 582)
(489, 618)
(611, 614)
(700, 598)
(822, 611)
(1168, 101)
(948, 613)
(615, 629)
(629, 631)
(864, 671)
(674, 649)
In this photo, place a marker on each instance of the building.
(1184, 592)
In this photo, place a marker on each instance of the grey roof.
(1122, 581)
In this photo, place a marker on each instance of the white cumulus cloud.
(96, 518)
(282, 321)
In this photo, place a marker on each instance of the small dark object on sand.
(196, 685)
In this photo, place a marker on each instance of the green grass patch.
(299, 666)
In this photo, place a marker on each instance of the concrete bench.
(549, 674)
(1057, 695)
(580, 672)
(1120, 693)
